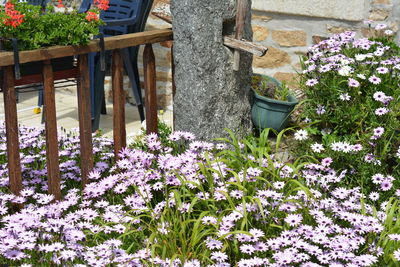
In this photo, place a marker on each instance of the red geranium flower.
(92, 16)
(60, 4)
(15, 18)
(101, 4)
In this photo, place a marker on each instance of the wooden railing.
(81, 72)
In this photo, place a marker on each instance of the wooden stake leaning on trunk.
(246, 46)
(240, 20)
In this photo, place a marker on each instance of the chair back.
(85, 6)
(41, 3)
(144, 14)
(121, 10)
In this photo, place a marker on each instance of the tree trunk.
(210, 95)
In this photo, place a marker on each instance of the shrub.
(352, 109)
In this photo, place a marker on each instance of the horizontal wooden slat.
(250, 47)
(114, 42)
(38, 78)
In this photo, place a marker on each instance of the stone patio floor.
(67, 112)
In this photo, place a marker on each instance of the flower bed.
(175, 201)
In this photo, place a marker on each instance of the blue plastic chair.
(42, 3)
(122, 17)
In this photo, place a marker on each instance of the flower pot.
(270, 113)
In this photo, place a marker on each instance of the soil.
(263, 87)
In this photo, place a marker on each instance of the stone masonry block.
(379, 14)
(289, 78)
(259, 33)
(290, 38)
(338, 29)
(352, 10)
(210, 95)
(273, 59)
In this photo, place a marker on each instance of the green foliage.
(392, 226)
(187, 204)
(269, 87)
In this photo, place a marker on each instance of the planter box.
(59, 64)
(32, 72)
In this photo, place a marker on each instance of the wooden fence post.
(10, 110)
(53, 167)
(119, 102)
(149, 63)
(85, 118)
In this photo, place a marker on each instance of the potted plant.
(273, 103)
(35, 27)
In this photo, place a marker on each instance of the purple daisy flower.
(386, 185)
(247, 249)
(380, 26)
(375, 80)
(379, 131)
(311, 82)
(379, 96)
(293, 219)
(382, 70)
(381, 111)
(219, 256)
(326, 162)
(396, 254)
(353, 83)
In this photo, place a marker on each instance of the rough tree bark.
(210, 95)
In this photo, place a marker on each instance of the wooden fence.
(81, 72)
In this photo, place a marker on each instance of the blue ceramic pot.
(270, 113)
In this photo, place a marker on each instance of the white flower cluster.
(346, 147)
